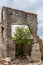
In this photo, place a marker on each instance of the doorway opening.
(21, 46)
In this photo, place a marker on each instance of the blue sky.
(35, 6)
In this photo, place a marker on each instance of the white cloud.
(3, 2)
(40, 22)
(41, 36)
(32, 1)
(23, 4)
(40, 15)
(40, 25)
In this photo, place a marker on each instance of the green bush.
(21, 37)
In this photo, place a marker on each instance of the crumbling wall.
(3, 50)
(16, 17)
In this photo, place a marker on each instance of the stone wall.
(32, 23)
(11, 17)
(11, 49)
(3, 48)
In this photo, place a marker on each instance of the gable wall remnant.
(11, 17)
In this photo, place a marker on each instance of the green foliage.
(42, 47)
(21, 37)
(42, 51)
(42, 58)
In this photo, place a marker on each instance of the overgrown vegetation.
(22, 38)
(42, 50)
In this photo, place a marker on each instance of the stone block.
(36, 53)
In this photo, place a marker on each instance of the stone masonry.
(11, 17)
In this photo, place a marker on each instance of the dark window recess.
(2, 32)
(10, 13)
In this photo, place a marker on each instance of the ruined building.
(11, 17)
